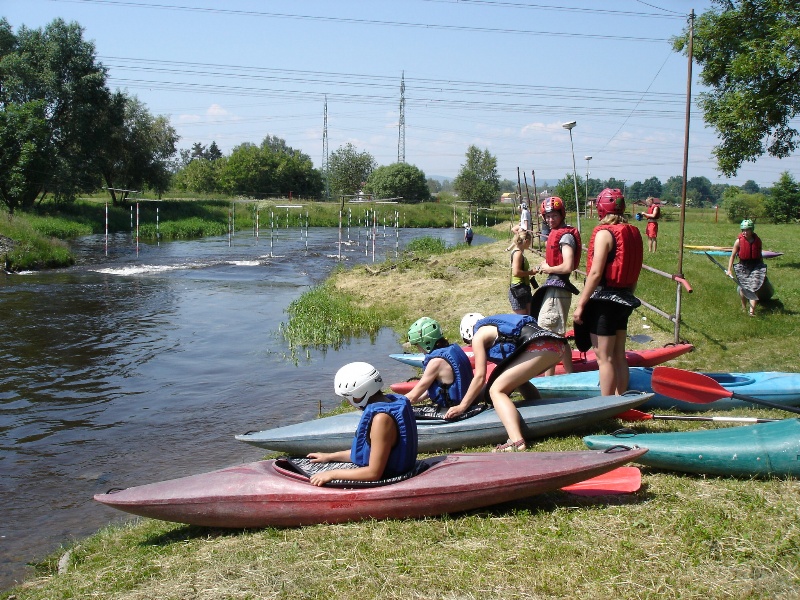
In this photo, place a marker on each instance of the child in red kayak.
(385, 443)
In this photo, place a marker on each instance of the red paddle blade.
(622, 480)
(634, 415)
(687, 385)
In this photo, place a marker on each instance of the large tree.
(750, 54)
(137, 148)
(51, 74)
(349, 169)
(478, 180)
(399, 180)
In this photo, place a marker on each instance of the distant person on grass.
(385, 442)
(524, 224)
(613, 264)
(652, 214)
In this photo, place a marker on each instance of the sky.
(501, 75)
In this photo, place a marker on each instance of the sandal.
(752, 313)
(509, 446)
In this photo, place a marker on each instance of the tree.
(741, 205)
(748, 51)
(200, 176)
(24, 152)
(399, 180)
(699, 188)
(478, 180)
(565, 189)
(673, 188)
(751, 187)
(783, 205)
(652, 187)
(198, 151)
(55, 67)
(137, 148)
(434, 187)
(213, 152)
(349, 169)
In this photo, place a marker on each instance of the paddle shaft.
(637, 415)
(745, 292)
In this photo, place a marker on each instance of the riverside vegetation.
(680, 536)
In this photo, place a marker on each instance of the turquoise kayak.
(539, 418)
(762, 450)
(773, 386)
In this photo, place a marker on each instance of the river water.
(139, 365)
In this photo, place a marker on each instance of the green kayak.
(762, 450)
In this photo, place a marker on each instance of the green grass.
(681, 536)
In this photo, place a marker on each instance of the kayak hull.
(780, 387)
(539, 418)
(582, 361)
(761, 450)
(263, 494)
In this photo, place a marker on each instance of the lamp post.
(586, 205)
(568, 126)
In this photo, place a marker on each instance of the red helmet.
(610, 201)
(553, 204)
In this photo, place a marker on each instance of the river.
(141, 364)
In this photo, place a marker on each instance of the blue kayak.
(539, 418)
(783, 388)
(762, 450)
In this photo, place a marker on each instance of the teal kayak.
(762, 450)
(774, 386)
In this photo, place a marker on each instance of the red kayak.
(584, 361)
(271, 493)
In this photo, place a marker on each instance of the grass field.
(681, 536)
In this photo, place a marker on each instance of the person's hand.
(454, 412)
(577, 316)
(318, 457)
(321, 478)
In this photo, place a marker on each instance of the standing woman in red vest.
(613, 263)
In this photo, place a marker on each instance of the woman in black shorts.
(613, 264)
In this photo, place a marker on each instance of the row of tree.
(62, 131)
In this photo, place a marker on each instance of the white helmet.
(467, 325)
(357, 382)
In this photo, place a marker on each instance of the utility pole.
(325, 150)
(401, 141)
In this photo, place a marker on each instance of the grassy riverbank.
(681, 536)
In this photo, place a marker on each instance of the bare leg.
(604, 350)
(529, 364)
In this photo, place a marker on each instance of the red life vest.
(553, 254)
(749, 250)
(625, 259)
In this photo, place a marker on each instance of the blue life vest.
(403, 456)
(450, 395)
(513, 331)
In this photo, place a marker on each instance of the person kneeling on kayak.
(385, 443)
(447, 372)
(522, 350)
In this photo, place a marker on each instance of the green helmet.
(425, 332)
(747, 224)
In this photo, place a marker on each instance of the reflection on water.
(133, 368)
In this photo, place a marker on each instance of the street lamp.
(586, 205)
(569, 127)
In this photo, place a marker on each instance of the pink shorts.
(545, 345)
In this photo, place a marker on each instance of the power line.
(352, 21)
